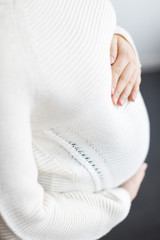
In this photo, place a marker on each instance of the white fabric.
(64, 147)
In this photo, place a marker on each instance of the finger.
(135, 90)
(113, 50)
(145, 165)
(118, 67)
(139, 176)
(128, 89)
(142, 169)
(123, 81)
(139, 183)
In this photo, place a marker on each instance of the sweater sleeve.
(124, 33)
(27, 212)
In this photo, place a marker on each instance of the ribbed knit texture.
(64, 147)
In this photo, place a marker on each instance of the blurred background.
(142, 20)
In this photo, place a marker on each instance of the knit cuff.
(122, 196)
(125, 198)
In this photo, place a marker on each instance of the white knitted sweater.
(65, 148)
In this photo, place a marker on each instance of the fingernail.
(146, 166)
(111, 59)
(134, 96)
(122, 101)
(112, 92)
(115, 100)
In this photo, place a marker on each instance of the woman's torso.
(74, 122)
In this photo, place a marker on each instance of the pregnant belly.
(113, 139)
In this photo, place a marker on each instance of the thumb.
(113, 49)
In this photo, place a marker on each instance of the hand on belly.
(126, 72)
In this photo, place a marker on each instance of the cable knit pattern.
(64, 148)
